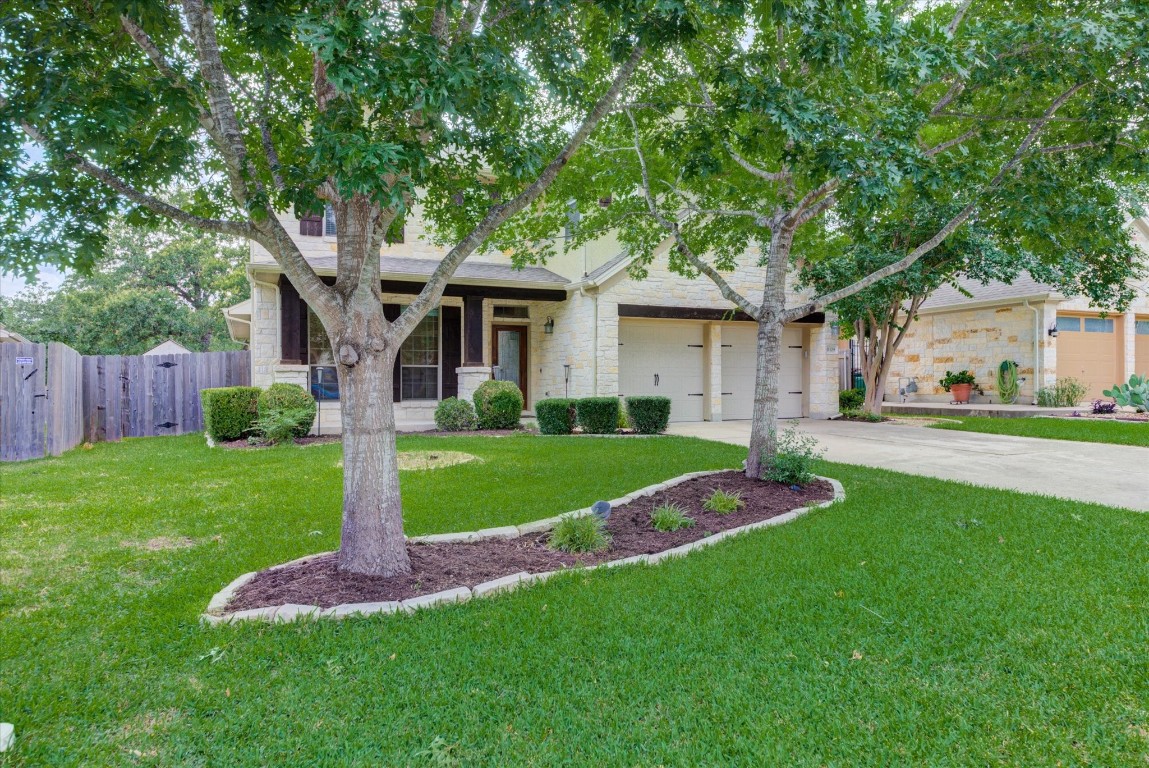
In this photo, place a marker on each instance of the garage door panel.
(1087, 351)
(739, 369)
(663, 359)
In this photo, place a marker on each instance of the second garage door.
(739, 362)
(663, 358)
(1087, 351)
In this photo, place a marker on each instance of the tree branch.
(498, 214)
(680, 244)
(937, 149)
(952, 29)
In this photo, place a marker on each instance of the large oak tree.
(468, 107)
(760, 136)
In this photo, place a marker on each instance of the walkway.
(1115, 475)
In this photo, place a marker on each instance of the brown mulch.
(436, 567)
(309, 440)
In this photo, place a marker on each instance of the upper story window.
(1142, 327)
(329, 221)
(324, 226)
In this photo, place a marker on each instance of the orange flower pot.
(961, 392)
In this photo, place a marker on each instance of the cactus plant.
(1134, 395)
(1007, 386)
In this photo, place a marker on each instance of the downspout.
(1038, 326)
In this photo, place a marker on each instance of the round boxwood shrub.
(556, 416)
(288, 402)
(648, 413)
(229, 413)
(455, 415)
(598, 415)
(498, 405)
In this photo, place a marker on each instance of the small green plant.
(579, 534)
(1007, 383)
(961, 377)
(623, 415)
(598, 415)
(279, 425)
(793, 464)
(498, 404)
(723, 503)
(851, 399)
(455, 415)
(670, 517)
(283, 400)
(858, 414)
(555, 416)
(1065, 393)
(1134, 394)
(649, 413)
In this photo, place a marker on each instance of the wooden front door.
(509, 355)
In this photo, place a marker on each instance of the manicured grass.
(1084, 430)
(921, 622)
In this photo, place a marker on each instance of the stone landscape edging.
(292, 611)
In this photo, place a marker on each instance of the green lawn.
(1084, 430)
(921, 622)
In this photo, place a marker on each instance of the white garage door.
(663, 358)
(739, 362)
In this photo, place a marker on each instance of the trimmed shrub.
(670, 517)
(649, 414)
(455, 415)
(229, 413)
(287, 405)
(851, 399)
(579, 534)
(556, 416)
(498, 405)
(598, 415)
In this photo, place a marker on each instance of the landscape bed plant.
(455, 415)
(648, 414)
(1064, 393)
(285, 411)
(498, 405)
(670, 517)
(556, 416)
(598, 415)
(229, 413)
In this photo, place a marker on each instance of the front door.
(509, 355)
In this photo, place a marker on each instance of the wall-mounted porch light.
(1053, 330)
(549, 326)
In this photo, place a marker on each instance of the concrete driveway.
(1115, 475)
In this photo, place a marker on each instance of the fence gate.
(23, 412)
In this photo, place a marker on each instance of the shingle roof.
(1024, 287)
(608, 268)
(395, 267)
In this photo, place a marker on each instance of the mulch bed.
(436, 567)
(309, 440)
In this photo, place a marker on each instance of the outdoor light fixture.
(549, 326)
(1053, 330)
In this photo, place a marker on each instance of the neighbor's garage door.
(663, 358)
(739, 362)
(1087, 351)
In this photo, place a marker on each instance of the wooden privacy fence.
(52, 399)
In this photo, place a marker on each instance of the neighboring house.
(579, 327)
(1049, 335)
(169, 347)
(11, 337)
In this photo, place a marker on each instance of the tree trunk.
(372, 540)
(764, 428)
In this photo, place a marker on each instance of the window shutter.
(452, 330)
(391, 312)
(311, 226)
(292, 324)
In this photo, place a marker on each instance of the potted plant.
(959, 384)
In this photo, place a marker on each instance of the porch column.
(472, 373)
(1129, 346)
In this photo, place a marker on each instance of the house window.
(1069, 324)
(1142, 327)
(311, 226)
(329, 221)
(419, 361)
(1098, 325)
(512, 313)
(323, 377)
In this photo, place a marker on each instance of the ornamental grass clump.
(723, 503)
(794, 462)
(579, 534)
(670, 517)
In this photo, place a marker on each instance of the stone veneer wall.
(977, 339)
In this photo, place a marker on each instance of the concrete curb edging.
(290, 612)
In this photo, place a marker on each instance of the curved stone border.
(292, 611)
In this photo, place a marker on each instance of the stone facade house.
(579, 327)
(1049, 335)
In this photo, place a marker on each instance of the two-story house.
(579, 327)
